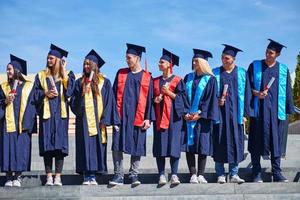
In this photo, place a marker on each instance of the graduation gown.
(53, 132)
(131, 139)
(91, 152)
(228, 135)
(266, 130)
(16, 146)
(166, 142)
(209, 113)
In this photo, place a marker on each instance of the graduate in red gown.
(133, 89)
(169, 96)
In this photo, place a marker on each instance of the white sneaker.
(201, 179)
(49, 181)
(162, 180)
(194, 179)
(16, 183)
(175, 180)
(221, 179)
(8, 183)
(57, 181)
(236, 179)
(93, 181)
(86, 181)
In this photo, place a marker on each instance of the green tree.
(296, 89)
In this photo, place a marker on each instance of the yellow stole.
(9, 110)
(89, 110)
(43, 80)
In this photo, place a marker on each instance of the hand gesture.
(146, 124)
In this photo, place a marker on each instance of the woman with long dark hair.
(17, 122)
(94, 105)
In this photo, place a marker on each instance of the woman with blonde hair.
(53, 86)
(201, 90)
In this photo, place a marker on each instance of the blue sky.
(28, 27)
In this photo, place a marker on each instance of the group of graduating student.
(203, 114)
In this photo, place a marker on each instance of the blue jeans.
(174, 162)
(233, 169)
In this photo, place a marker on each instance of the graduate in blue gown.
(228, 134)
(268, 105)
(53, 86)
(201, 90)
(133, 89)
(16, 101)
(169, 91)
(94, 105)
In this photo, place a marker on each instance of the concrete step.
(146, 176)
(151, 191)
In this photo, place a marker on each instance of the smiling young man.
(229, 132)
(268, 105)
(133, 89)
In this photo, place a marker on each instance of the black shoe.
(279, 178)
(257, 178)
(135, 181)
(117, 180)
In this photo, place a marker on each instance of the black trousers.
(48, 161)
(190, 158)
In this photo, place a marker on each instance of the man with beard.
(53, 86)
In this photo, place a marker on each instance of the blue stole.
(282, 81)
(195, 103)
(241, 74)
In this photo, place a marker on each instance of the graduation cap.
(170, 57)
(94, 56)
(18, 64)
(198, 53)
(275, 46)
(57, 52)
(135, 49)
(230, 50)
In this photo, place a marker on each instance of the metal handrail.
(297, 110)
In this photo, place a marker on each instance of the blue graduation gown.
(131, 139)
(209, 113)
(15, 146)
(228, 135)
(166, 142)
(53, 132)
(91, 153)
(266, 130)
